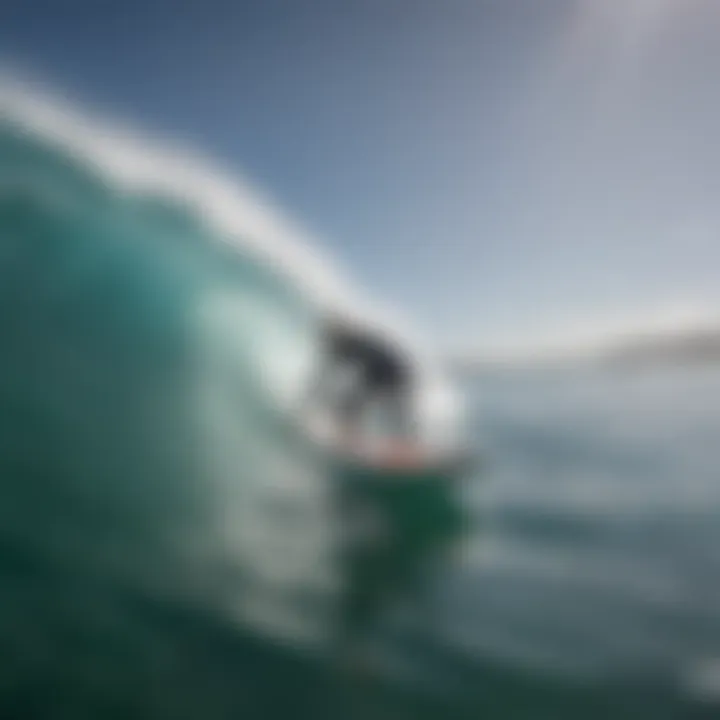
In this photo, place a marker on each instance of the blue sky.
(508, 172)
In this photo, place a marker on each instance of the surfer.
(380, 376)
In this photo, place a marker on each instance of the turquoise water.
(167, 536)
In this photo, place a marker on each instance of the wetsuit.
(383, 376)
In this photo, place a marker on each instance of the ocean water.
(597, 560)
(168, 536)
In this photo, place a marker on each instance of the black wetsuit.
(383, 375)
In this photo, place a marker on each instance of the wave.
(153, 338)
(164, 321)
(228, 212)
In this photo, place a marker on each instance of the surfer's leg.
(350, 410)
(397, 409)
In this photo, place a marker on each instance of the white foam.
(234, 212)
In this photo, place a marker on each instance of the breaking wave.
(163, 327)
